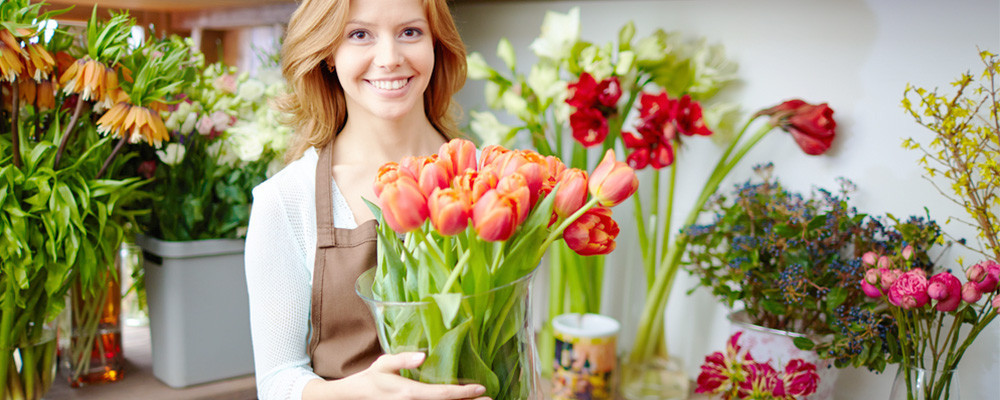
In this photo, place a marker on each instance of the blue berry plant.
(793, 262)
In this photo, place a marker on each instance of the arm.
(382, 381)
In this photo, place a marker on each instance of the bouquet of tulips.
(461, 236)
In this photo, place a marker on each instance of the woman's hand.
(382, 381)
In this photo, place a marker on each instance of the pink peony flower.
(869, 258)
(991, 277)
(800, 378)
(888, 277)
(971, 293)
(947, 290)
(975, 273)
(909, 291)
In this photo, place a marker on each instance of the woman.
(371, 82)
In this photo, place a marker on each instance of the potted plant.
(63, 147)
(793, 263)
(226, 139)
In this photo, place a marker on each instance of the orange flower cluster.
(30, 68)
(93, 80)
(133, 123)
(496, 195)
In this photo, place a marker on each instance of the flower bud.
(458, 155)
(869, 258)
(975, 273)
(884, 262)
(612, 181)
(477, 68)
(907, 252)
(572, 193)
(996, 303)
(970, 293)
(449, 210)
(870, 290)
(404, 206)
(505, 51)
(991, 279)
(593, 233)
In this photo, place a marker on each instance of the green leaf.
(785, 231)
(441, 365)
(475, 368)
(804, 343)
(448, 303)
(835, 298)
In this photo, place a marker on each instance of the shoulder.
(299, 176)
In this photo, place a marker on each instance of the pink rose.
(800, 378)
(992, 276)
(869, 258)
(884, 262)
(909, 291)
(947, 290)
(889, 277)
(226, 83)
(970, 293)
(907, 252)
(204, 125)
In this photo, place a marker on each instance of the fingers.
(441, 392)
(392, 363)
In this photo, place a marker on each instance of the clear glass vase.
(90, 340)
(485, 338)
(913, 383)
(31, 366)
(658, 378)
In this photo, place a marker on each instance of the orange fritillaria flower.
(40, 62)
(11, 65)
(133, 123)
(92, 80)
(45, 99)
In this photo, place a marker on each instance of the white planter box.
(199, 317)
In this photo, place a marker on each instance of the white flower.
(544, 81)
(652, 49)
(477, 68)
(251, 90)
(712, 69)
(248, 149)
(561, 110)
(493, 93)
(597, 61)
(722, 119)
(505, 51)
(489, 128)
(559, 33)
(172, 155)
(188, 125)
(514, 104)
(626, 60)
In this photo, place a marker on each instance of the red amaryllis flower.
(612, 181)
(608, 92)
(654, 151)
(689, 118)
(589, 126)
(403, 205)
(812, 126)
(449, 210)
(585, 92)
(593, 233)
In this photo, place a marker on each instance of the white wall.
(855, 54)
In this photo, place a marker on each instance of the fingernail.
(480, 390)
(418, 358)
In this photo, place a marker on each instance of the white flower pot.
(199, 315)
(777, 347)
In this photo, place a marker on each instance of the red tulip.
(612, 181)
(593, 233)
(403, 205)
(459, 155)
(494, 216)
(812, 126)
(516, 187)
(572, 193)
(449, 210)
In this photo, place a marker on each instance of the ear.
(329, 64)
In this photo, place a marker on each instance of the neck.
(377, 141)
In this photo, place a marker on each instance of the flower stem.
(68, 130)
(556, 233)
(14, 111)
(111, 157)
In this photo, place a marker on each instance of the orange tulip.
(515, 186)
(433, 175)
(593, 233)
(494, 216)
(459, 155)
(449, 210)
(572, 193)
(403, 206)
(490, 154)
(555, 170)
(612, 181)
(476, 183)
(387, 173)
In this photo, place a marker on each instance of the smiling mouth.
(390, 85)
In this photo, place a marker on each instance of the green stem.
(640, 224)
(654, 234)
(111, 157)
(68, 130)
(14, 111)
(459, 267)
(6, 339)
(656, 299)
(668, 216)
(556, 233)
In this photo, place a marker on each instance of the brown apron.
(344, 339)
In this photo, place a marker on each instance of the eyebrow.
(366, 24)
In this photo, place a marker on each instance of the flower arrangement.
(592, 89)
(69, 113)
(225, 139)
(453, 228)
(735, 375)
(795, 264)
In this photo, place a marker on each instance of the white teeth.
(389, 85)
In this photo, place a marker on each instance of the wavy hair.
(316, 105)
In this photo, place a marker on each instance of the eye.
(412, 33)
(358, 35)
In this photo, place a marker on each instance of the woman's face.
(385, 60)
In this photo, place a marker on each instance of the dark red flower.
(590, 127)
(147, 169)
(608, 92)
(689, 118)
(585, 92)
(812, 126)
(800, 378)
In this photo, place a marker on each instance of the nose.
(388, 55)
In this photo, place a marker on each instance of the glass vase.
(485, 338)
(31, 366)
(90, 341)
(658, 378)
(914, 383)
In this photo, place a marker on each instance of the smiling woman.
(371, 81)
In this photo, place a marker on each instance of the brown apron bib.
(344, 339)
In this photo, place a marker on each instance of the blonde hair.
(316, 105)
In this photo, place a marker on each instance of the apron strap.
(325, 236)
